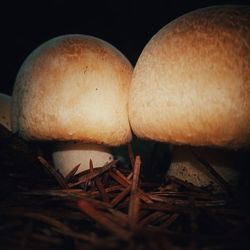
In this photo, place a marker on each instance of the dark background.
(128, 25)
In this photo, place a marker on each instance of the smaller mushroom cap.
(73, 88)
(5, 110)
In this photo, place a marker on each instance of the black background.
(128, 25)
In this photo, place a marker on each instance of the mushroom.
(73, 90)
(191, 83)
(185, 165)
(67, 155)
(5, 111)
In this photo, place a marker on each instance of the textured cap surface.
(73, 87)
(191, 84)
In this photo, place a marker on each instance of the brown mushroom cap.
(191, 84)
(73, 87)
(5, 110)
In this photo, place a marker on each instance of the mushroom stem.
(187, 167)
(67, 155)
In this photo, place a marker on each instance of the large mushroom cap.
(191, 84)
(73, 87)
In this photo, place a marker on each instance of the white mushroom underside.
(68, 155)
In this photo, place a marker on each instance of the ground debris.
(109, 207)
